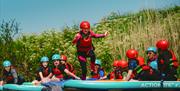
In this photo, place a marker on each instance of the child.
(98, 73)
(136, 65)
(152, 59)
(167, 62)
(85, 48)
(60, 70)
(10, 75)
(119, 71)
(68, 66)
(44, 72)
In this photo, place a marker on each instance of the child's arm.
(71, 74)
(98, 35)
(1, 82)
(128, 75)
(14, 73)
(50, 75)
(41, 75)
(76, 38)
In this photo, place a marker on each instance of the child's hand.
(106, 33)
(35, 82)
(55, 79)
(78, 78)
(1, 83)
(45, 80)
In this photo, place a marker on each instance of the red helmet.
(116, 63)
(123, 63)
(162, 44)
(131, 53)
(141, 60)
(85, 25)
(63, 57)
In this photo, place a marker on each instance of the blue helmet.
(44, 59)
(153, 49)
(6, 63)
(98, 62)
(56, 57)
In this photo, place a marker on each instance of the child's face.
(7, 68)
(151, 55)
(85, 31)
(63, 62)
(115, 68)
(56, 62)
(45, 64)
(97, 66)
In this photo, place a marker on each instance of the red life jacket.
(141, 67)
(96, 74)
(57, 73)
(116, 75)
(84, 44)
(45, 71)
(8, 76)
(173, 61)
(70, 67)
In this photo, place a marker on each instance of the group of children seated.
(161, 64)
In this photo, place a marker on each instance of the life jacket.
(46, 71)
(70, 67)
(172, 62)
(8, 76)
(153, 63)
(140, 67)
(116, 75)
(84, 44)
(57, 73)
(97, 74)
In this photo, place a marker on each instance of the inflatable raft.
(111, 84)
(1, 88)
(16, 87)
(96, 85)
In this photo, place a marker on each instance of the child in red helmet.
(137, 68)
(83, 41)
(167, 62)
(120, 69)
(68, 66)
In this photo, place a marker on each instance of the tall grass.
(142, 30)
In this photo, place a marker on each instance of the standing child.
(85, 48)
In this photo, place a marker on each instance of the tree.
(8, 30)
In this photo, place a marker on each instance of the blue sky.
(35, 16)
